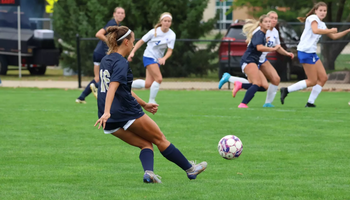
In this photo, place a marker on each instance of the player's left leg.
(271, 74)
(146, 128)
(154, 72)
(321, 81)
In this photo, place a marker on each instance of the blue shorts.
(261, 63)
(308, 58)
(148, 61)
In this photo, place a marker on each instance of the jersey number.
(104, 77)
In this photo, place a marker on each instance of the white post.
(19, 41)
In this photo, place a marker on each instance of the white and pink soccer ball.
(230, 147)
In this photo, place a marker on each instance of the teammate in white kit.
(272, 38)
(159, 40)
(316, 74)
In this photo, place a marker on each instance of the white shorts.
(126, 126)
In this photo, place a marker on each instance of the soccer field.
(49, 148)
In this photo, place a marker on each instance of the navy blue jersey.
(101, 47)
(252, 55)
(115, 67)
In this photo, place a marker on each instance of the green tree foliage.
(338, 11)
(86, 17)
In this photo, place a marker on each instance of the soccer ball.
(230, 147)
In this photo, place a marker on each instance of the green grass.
(50, 150)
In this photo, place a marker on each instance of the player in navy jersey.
(250, 60)
(120, 112)
(100, 52)
(159, 40)
(272, 35)
(313, 67)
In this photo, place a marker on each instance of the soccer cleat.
(93, 89)
(80, 101)
(150, 177)
(310, 105)
(284, 93)
(268, 105)
(242, 105)
(196, 169)
(224, 79)
(236, 87)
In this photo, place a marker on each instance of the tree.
(338, 11)
(86, 17)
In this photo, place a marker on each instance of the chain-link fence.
(211, 58)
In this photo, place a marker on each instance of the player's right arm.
(113, 86)
(136, 47)
(316, 30)
(101, 35)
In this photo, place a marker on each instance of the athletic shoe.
(310, 105)
(349, 103)
(236, 87)
(93, 89)
(80, 101)
(284, 93)
(268, 105)
(224, 79)
(242, 105)
(150, 177)
(196, 169)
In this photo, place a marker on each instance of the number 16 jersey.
(115, 68)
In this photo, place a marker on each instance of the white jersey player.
(159, 40)
(313, 67)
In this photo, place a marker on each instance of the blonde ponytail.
(159, 24)
(250, 26)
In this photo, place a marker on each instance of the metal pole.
(19, 41)
(78, 61)
(229, 61)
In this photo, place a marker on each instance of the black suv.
(284, 65)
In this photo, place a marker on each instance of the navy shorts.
(147, 61)
(97, 57)
(308, 58)
(112, 127)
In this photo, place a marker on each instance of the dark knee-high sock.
(174, 155)
(87, 90)
(250, 94)
(246, 85)
(261, 89)
(147, 159)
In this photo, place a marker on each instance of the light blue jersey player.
(313, 67)
(159, 40)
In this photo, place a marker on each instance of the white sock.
(232, 79)
(271, 93)
(138, 83)
(154, 91)
(297, 86)
(316, 90)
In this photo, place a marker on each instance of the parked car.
(284, 65)
(37, 46)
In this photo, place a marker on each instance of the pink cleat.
(236, 87)
(242, 105)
